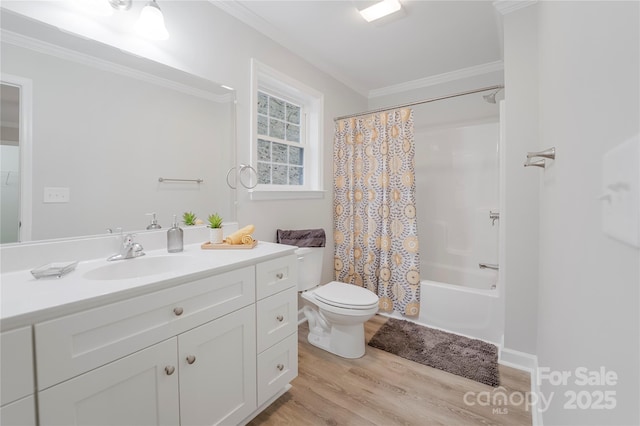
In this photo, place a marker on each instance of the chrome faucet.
(128, 250)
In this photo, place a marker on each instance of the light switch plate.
(56, 195)
(621, 192)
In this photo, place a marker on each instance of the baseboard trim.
(525, 362)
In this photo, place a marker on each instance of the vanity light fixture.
(380, 10)
(121, 4)
(150, 24)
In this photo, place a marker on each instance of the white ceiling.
(431, 40)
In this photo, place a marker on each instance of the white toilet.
(336, 311)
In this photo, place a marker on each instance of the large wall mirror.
(104, 127)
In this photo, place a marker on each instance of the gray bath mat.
(470, 358)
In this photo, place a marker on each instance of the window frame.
(311, 102)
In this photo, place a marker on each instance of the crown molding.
(507, 6)
(438, 79)
(40, 46)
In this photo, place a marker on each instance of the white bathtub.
(461, 310)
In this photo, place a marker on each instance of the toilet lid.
(346, 295)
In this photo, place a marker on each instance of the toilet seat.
(346, 296)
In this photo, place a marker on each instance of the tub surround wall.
(457, 182)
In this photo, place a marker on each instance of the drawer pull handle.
(280, 367)
(280, 318)
(169, 369)
(191, 359)
(279, 275)
(178, 311)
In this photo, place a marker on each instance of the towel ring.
(243, 167)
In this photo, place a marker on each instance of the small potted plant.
(189, 218)
(215, 228)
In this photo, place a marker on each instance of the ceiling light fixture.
(151, 22)
(380, 10)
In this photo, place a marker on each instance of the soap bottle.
(175, 236)
(154, 222)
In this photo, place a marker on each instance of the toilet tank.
(309, 267)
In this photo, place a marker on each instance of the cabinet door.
(218, 370)
(16, 369)
(140, 389)
(19, 413)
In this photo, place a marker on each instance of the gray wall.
(572, 70)
(589, 283)
(520, 218)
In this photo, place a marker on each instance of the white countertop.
(26, 300)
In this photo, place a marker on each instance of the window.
(286, 136)
(281, 141)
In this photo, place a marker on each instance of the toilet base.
(346, 341)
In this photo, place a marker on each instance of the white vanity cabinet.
(202, 352)
(277, 326)
(204, 376)
(17, 405)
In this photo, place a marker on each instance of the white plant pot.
(215, 235)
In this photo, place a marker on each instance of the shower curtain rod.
(424, 101)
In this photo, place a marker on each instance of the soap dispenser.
(175, 236)
(154, 221)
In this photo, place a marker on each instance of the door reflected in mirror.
(10, 163)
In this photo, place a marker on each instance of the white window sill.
(286, 195)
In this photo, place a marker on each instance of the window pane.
(293, 114)
(295, 155)
(293, 133)
(279, 153)
(264, 150)
(263, 103)
(276, 108)
(295, 175)
(264, 173)
(279, 174)
(263, 124)
(276, 128)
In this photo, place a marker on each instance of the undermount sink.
(138, 267)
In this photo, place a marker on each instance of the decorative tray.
(57, 269)
(227, 246)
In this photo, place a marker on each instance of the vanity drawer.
(277, 317)
(277, 366)
(276, 275)
(74, 344)
(16, 353)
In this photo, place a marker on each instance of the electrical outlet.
(56, 195)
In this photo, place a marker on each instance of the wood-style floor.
(384, 389)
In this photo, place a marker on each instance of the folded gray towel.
(302, 237)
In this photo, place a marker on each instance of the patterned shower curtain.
(375, 229)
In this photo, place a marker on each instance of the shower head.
(491, 97)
